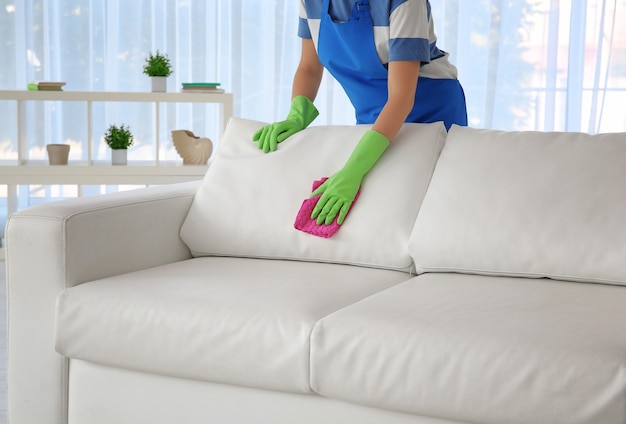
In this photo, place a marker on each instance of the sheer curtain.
(539, 64)
(524, 64)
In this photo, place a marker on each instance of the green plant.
(119, 137)
(157, 65)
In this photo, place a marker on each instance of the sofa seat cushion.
(528, 204)
(249, 197)
(480, 349)
(228, 320)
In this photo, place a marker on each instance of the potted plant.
(158, 68)
(119, 139)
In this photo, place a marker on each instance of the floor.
(3, 343)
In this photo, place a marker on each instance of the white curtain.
(525, 64)
(539, 64)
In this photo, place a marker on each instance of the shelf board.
(110, 96)
(100, 174)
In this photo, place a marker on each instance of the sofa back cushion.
(248, 201)
(526, 204)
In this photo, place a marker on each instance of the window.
(524, 64)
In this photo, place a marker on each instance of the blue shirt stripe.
(403, 30)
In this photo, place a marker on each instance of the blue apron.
(348, 51)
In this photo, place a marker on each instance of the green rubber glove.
(301, 114)
(338, 192)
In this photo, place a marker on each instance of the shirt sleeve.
(303, 25)
(411, 32)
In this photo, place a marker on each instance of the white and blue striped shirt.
(403, 30)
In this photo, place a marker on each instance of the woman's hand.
(340, 190)
(301, 114)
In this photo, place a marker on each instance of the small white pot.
(119, 156)
(159, 84)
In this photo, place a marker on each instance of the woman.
(385, 56)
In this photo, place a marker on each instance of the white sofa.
(479, 278)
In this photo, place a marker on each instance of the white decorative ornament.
(194, 150)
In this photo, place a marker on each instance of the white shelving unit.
(92, 172)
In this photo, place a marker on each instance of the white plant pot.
(159, 84)
(119, 156)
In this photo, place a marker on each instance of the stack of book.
(201, 87)
(46, 86)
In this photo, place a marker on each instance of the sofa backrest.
(526, 204)
(248, 201)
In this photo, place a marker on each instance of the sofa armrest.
(58, 245)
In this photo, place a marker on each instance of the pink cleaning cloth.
(308, 225)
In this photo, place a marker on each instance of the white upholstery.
(488, 350)
(248, 201)
(230, 320)
(60, 244)
(106, 395)
(267, 324)
(526, 204)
